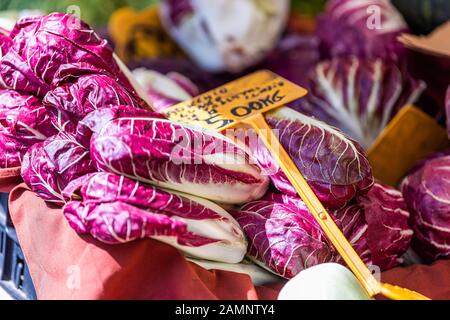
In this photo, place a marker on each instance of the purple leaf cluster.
(178, 157)
(24, 121)
(286, 239)
(335, 166)
(426, 192)
(358, 96)
(115, 209)
(367, 29)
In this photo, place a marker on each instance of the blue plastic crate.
(3, 237)
(14, 274)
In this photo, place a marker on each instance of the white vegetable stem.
(258, 275)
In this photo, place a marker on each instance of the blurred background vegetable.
(165, 90)
(359, 96)
(139, 34)
(94, 12)
(363, 28)
(213, 36)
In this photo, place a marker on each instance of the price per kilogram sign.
(220, 108)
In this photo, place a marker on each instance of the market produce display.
(88, 103)
(90, 139)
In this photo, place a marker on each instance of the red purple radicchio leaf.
(426, 193)
(115, 209)
(102, 187)
(335, 166)
(387, 234)
(50, 165)
(285, 238)
(97, 119)
(17, 75)
(88, 93)
(358, 96)
(367, 29)
(5, 44)
(24, 121)
(58, 46)
(178, 157)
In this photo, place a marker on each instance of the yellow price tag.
(222, 107)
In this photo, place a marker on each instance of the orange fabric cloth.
(432, 281)
(9, 178)
(65, 265)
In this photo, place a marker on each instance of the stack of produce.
(367, 29)
(283, 235)
(69, 114)
(121, 172)
(53, 71)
